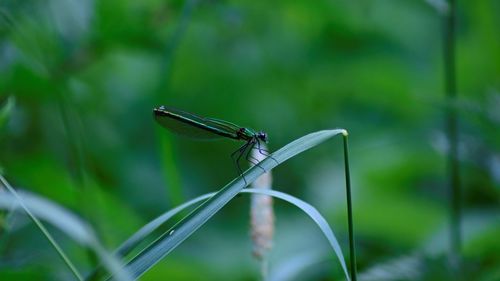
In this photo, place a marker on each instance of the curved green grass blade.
(147, 229)
(316, 217)
(38, 207)
(154, 252)
(312, 212)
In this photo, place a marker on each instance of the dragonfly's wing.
(223, 125)
(190, 125)
(239, 132)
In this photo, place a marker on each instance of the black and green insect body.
(191, 125)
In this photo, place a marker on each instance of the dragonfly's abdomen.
(195, 123)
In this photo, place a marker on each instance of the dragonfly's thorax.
(248, 134)
(245, 134)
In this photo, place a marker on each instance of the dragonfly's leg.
(265, 153)
(255, 162)
(261, 150)
(250, 144)
(248, 157)
(241, 151)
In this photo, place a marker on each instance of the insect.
(191, 125)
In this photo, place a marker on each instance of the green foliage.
(85, 76)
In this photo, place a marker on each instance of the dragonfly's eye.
(262, 136)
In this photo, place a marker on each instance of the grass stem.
(451, 127)
(352, 250)
(42, 228)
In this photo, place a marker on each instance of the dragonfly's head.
(262, 136)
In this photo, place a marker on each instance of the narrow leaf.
(38, 207)
(182, 230)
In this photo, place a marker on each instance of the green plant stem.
(352, 250)
(173, 43)
(42, 228)
(171, 173)
(452, 134)
(76, 150)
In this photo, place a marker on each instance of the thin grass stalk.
(76, 157)
(173, 43)
(451, 128)
(76, 154)
(352, 250)
(171, 173)
(42, 228)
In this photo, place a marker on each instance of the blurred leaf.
(290, 268)
(440, 5)
(400, 268)
(6, 107)
(79, 231)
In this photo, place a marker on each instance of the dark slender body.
(188, 124)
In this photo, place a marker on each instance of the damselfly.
(191, 125)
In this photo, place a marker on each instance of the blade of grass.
(76, 150)
(183, 229)
(42, 228)
(64, 220)
(451, 128)
(134, 240)
(350, 221)
(312, 212)
(138, 237)
(314, 215)
(171, 174)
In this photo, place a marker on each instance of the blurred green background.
(85, 76)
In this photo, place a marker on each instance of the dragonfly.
(194, 126)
